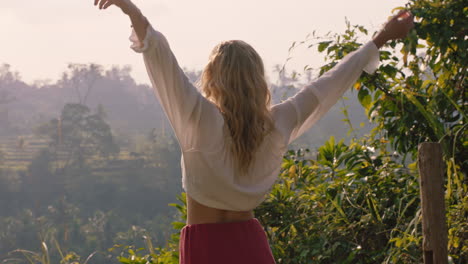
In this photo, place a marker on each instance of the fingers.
(106, 5)
(399, 14)
(403, 15)
(409, 20)
(406, 20)
(102, 3)
(400, 24)
(98, 2)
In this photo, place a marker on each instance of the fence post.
(431, 179)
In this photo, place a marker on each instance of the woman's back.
(210, 174)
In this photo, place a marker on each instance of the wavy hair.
(234, 80)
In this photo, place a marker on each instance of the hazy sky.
(39, 37)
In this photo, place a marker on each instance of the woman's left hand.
(400, 25)
(139, 22)
(397, 27)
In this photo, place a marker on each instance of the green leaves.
(418, 94)
(365, 98)
(323, 45)
(342, 208)
(435, 124)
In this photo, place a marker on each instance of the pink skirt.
(228, 243)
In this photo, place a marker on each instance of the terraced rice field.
(17, 152)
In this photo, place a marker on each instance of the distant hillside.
(129, 107)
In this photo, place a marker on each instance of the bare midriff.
(201, 214)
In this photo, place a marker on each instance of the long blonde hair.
(234, 80)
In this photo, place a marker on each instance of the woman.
(232, 140)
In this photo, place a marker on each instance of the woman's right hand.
(125, 5)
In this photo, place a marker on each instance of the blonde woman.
(232, 139)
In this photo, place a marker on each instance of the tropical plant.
(419, 97)
(43, 257)
(345, 206)
(160, 255)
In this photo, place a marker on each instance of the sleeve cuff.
(141, 46)
(374, 57)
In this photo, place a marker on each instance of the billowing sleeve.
(297, 114)
(181, 101)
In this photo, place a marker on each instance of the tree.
(80, 133)
(82, 78)
(7, 76)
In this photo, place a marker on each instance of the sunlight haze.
(39, 38)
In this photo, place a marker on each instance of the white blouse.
(208, 173)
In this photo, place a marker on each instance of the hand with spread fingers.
(125, 5)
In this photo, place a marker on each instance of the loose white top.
(208, 173)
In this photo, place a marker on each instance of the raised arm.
(297, 114)
(181, 101)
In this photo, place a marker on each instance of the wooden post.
(431, 179)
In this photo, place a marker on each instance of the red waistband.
(224, 224)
